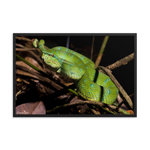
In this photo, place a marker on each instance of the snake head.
(52, 60)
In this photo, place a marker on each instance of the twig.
(92, 48)
(86, 102)
(122, 91)
(76, 103)
(120, 110)
(19, 45)
(131, 95)
(98, 60)
(120, 62)
(95, 112)
(121, 102)
(25, 49)
(36, 75)
(23, 38)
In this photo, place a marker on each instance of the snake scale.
(81, 69)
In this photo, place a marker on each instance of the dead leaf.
(31, 108)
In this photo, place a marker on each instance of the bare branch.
(25, 49)
(120, 62)
(19, 45)
(23, 38)
(57, 108)
(98, 60)
(92, 48)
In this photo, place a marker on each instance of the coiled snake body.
(81, 70)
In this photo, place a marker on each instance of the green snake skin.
(81, 70)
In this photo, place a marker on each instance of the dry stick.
(122, 91)
(97, 62)
(75, 103)
(87, 102)
(131, 95)
(19, 45)
(121, 102)
(92, 47)
(120, 62)
(95, 112)
(25, 49)
(37, 74)
(23, 38)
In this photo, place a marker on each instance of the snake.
(90, 83)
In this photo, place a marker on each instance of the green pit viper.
(81, 69)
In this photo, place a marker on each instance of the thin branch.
(25, 49)
(120, 62)
(23, 38)
(95, 112)
(19, 45)
(131, 95)
(35, 75)
(98, 60)
(74, 103)
(92, 48)
(122, 91)
(57, 108)
(121, 102)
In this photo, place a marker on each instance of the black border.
(75, 34)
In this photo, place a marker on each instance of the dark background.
(118, 46)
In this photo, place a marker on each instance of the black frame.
(76, 34)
